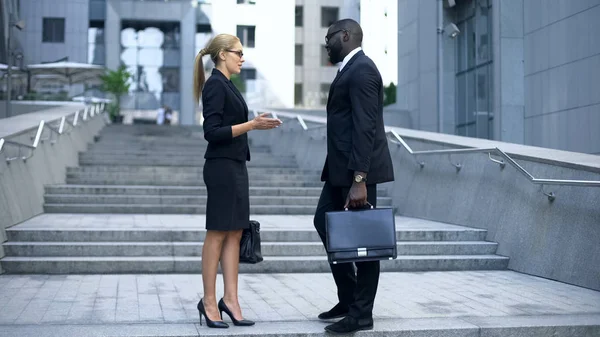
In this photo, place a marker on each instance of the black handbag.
(360, 235)
(250, 244)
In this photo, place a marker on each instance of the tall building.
(379, 22)
(521, 71)
(157, 40)
(314, 73)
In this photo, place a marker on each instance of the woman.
(228, 206)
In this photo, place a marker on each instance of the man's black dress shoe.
(349, 324)
(339, 311)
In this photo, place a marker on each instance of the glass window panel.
(299, 55)
(170, 79)
(471, 99)
(150, 38)
(461, 99)
(491, 101)
(129, 56)
(299, 16)
(128, 38)
(298, 93)
(324, 93)
(248, 74)
(471, 38)
(483, 37)
(329, 15)
(461, 47)
(483, 105)
(152, 57)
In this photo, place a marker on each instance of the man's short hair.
(352, 27)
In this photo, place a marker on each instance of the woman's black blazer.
(223, 106)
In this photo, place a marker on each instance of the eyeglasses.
(329, 36)
(238, 52)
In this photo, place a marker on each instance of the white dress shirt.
(348, 57)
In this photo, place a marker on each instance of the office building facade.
(521, 71)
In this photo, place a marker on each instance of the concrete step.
(170, 209)
(179, 161)
(182, 200)
(170, 233)
(174, 156)
(271, 264)
(165, 174)
(176, 190)
(81, 249)
(97, 169)
(127, 151)
(186, 180)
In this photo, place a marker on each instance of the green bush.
(389, 94)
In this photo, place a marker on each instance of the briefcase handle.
(368, 203)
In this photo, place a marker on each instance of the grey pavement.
(288, 301)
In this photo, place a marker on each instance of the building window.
(329, 15)
(299, 55)
(324, 57)
(324, 94)
(53, 30)
(474, 76)
(248, 74)
(96, 49)
(298, 94)
(151, 52)
(246, 34)
(299, 16)
(170, 79)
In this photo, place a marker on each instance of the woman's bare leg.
(230, 261)
(211, 254)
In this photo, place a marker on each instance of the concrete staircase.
(174, 245)
(136, 203)
(152, 170)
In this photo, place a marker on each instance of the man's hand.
(357, 197)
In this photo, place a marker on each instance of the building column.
(112, 35)
(509, 74)
(187, 111)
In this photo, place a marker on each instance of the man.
(358, 159)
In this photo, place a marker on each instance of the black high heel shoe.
(209, 323)
(243, 322)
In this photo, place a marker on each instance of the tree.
(389, 94)
(116, 83)
(239, 83)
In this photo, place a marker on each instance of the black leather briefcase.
(360, 235)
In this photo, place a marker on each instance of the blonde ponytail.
(199, 77)
(218, 44)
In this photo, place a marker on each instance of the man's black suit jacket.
(223, 107)
(356, 139)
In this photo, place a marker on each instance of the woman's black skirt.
(228, 204)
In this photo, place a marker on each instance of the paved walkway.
(28, 302)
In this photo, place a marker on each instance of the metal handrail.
(97, 109)
(398, 140)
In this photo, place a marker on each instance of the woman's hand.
(262, 122)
